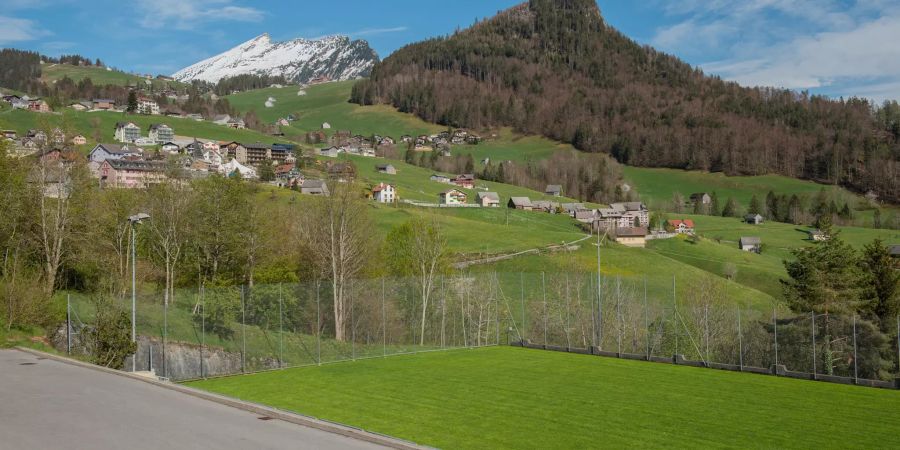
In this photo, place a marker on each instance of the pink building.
(124, 174)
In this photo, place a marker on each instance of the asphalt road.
(49, 404)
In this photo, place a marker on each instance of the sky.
(840, 48)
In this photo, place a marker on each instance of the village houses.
(384, 193)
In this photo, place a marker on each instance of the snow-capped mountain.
(300, 60)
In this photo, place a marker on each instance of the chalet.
(387, 140)
(489, 199)
(750, 244)
(632, 237)
(384, 193)
(753, 219)
(466, 180)
(326, 126)
(127, 131)
(161, 133)
(236, 123)
(314, 187)
(894, 250)
(585, 216)
(386, 168)
(700, 197)
(103, 104)
(554, 190)
(282, 122)
(119, 173)
(685, 226)
(633, 214)
(234, 150)
(286, 172)
(341, 171)
(79, 106)
(544, 206)
(147, 106)
(38, 105)
(522, 203)
(170, 147)
(817, 235)
(78, 139)
(104, 152)
(440, 178)
(330, 152)
(221, 119)
(473, 139)
(572, 208)
(453, 197)
(9, 134)
(211, 145)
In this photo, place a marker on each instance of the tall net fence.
(220, 330)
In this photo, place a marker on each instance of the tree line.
(555, 68)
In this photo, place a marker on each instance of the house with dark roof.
(632, 237)
(750, 244)
(522, 203)
(754, 219)
(489, 199)
(314, 187)
(103, 152)
(554, 190)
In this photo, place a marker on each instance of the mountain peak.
(301, 60)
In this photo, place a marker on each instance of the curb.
(286, 416)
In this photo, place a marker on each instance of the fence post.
(165, 359)
(68, 324)
(646, 319)
(384, 321)
(497, 306)
(775, 327)
(618, 314)
(706, 325)
(243, 331)
(740, 342)
(318, 328)
(675, 314)
(352, 325)
(812, 315)
(280, 327)
(525, 324)
(544, 294)
(203, 333)
(443, 314)
(593, 314)
(855, 361)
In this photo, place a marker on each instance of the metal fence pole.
(775, 327)
(443, 314)
(318, 328)
(522, 296)
(68, 324)
(675, 314)
(646, 319)
(544, 294)
(618, 314)
(352, 325)
(383, 322)
(165, 359)
(593, 314)
(497, 308)
(243, 331)
(812, 315)
(855, 360)
(280, 327)
(706, 325)
(203, 334)
(740, 342)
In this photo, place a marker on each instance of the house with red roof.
(682, 226)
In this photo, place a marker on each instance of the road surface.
(50, 404)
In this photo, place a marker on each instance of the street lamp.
(134, 220)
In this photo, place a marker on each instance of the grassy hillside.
(87, 122)
(99, 76)
(518, 398)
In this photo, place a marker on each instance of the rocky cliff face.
(333, 58)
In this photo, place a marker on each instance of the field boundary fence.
(210, 331)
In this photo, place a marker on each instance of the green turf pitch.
(506, 397)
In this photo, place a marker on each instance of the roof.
(609, 213)
(384, 166)
(450, 191)
(750, 240)
(894, 250)
(312, 184)
(628, 206)
(584, 214)
(753, 216)
(631, 232)
(140, 166)
(553, 188)
(257, 146)
(489, 195)
(698, 194)
(520, 201)
(157, 126)
(125, 124)
(381, 186)
(687, 222)
(113, 149)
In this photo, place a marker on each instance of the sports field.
(505, 397)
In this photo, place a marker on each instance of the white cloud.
(375, 31)
(13, 29)
(188, 14)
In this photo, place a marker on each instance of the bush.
(110, 338)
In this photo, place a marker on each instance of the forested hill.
(554, 67)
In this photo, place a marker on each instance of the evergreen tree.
(793, 210)
(755, 207)
(846, 213)
(771, 206)
(714, 205)
(824, 278)
(876, 219)
(470, 164)
(132, 102)
(730, 209)
(881, 283)
(266, 171)
(698, 207)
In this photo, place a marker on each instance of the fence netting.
(211, 330)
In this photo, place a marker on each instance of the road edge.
(255, 408)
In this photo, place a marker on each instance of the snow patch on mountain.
(301, 60)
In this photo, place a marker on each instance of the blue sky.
(833, 47)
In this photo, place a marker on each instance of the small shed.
(750, 244)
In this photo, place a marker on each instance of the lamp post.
(134, 220)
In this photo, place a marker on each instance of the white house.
(161, 133)
(453, 197)
(127, 131)
(384, 193)
(751, 244)
(103, 152)
(489, 199)
(147, 106)
(685, 226)
(326, 126)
